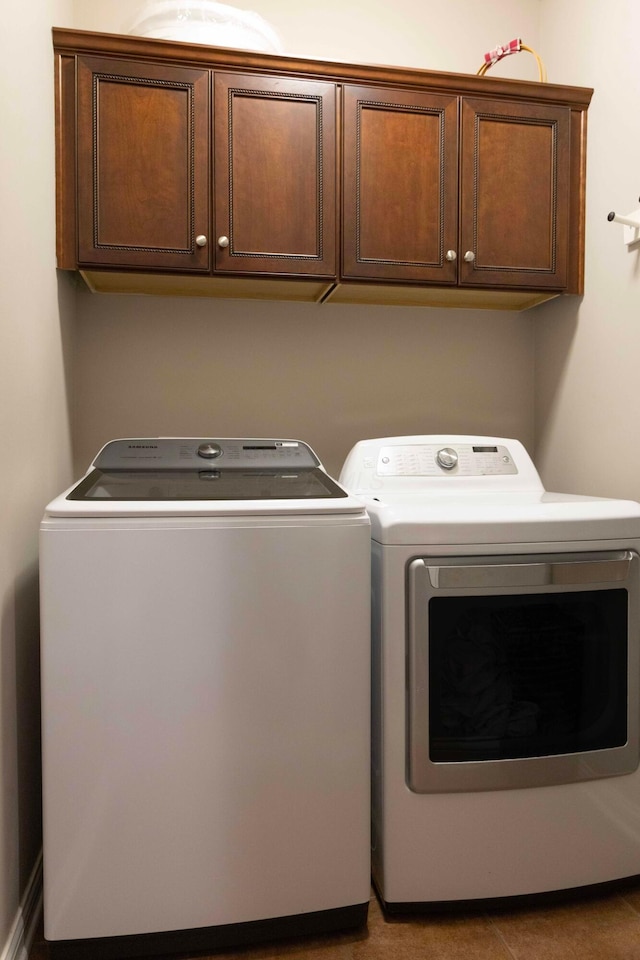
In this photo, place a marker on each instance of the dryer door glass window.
(527, 676)
(522, 671)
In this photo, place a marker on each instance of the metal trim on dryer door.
(523, 576)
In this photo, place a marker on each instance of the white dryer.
(505, 674)
(205, 699)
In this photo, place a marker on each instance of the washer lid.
(206, 484)
(199, 476)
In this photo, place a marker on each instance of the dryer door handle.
(468, 577)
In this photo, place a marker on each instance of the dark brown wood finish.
(66, 190)
(141, 144)
(400, 186)
(143, 165)
(577, 194)
(275, 158)
(515, 176)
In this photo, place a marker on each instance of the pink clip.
(503, 51)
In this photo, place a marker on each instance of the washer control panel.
(178, 453)
(438, 460)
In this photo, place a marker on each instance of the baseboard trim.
(24, 926)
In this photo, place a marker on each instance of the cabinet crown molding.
(68, 41)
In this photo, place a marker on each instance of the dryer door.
(523, 671)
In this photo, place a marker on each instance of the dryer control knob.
(447, 458)
(209, 451)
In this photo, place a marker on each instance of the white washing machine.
(205, 699)
(506, 672)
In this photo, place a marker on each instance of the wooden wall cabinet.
(145, 165)
(189, 169)
(515, 172)
(400, 200)
(455, 190)
(142, 165)
(275, 175)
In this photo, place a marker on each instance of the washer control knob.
(447, 458)
(209, 451)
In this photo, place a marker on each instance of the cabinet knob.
(223, 242)
(201, 240)
(451, 255)
(469, 256)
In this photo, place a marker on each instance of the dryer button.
(447, 458)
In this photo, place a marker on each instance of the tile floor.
(597, 926)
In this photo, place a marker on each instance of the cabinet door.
(400, 185)
(143, 165)
(515, 175)
(275, 175)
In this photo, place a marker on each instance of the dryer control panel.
(437, 459)
(439, 464)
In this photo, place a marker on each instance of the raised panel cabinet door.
(400, 185)
(143, 165)
(515, 178)
(274, 175)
